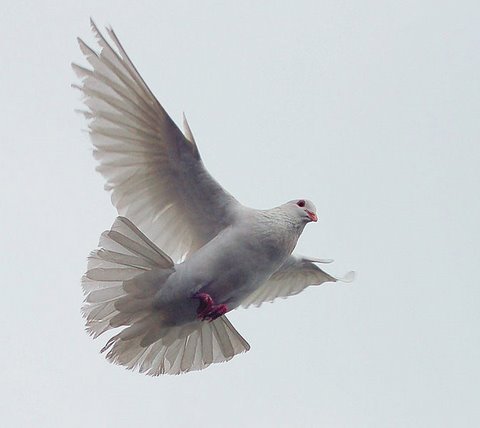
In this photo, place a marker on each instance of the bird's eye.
(301, 203)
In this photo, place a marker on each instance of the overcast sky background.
(368, 108)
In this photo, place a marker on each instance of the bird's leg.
(217, 311)
(207, 309)
(205, 304)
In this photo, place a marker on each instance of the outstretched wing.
(296, 274)
(154, 172)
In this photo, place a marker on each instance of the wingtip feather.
(349, 277)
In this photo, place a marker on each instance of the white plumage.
(205, 253)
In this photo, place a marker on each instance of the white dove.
(207, 254)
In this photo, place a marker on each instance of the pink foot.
(207, 309)
(205, 303)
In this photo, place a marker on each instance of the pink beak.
(312, 216)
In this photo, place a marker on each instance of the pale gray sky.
(368, 108)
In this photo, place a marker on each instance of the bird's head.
(304, 209)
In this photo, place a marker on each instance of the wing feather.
(296, 274)
(154, 172)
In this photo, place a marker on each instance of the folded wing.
(296, 274)
(154, 172)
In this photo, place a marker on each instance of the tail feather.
(120, 284)
(186, 348)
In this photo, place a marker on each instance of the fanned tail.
(123, 275)
(179, 349)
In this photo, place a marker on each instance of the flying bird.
(183, 251)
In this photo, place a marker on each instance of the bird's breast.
(232, 265)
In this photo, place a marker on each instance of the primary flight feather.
(183, 251)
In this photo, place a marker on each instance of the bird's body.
(267, 237)
(203, 253)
